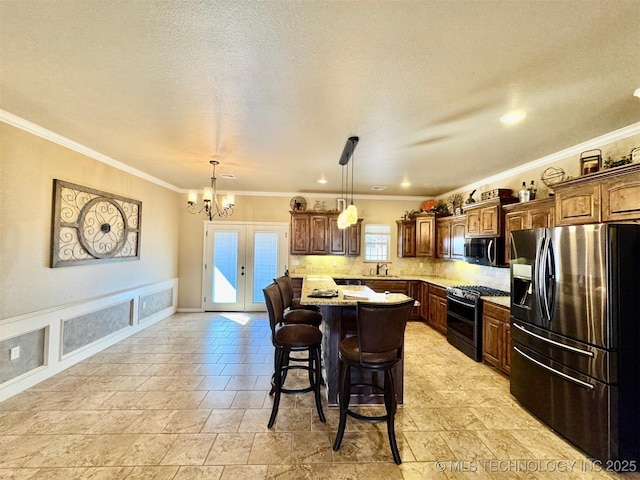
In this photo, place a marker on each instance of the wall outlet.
(335, 264)
(144, 305)
(421, 265)
(14, 353)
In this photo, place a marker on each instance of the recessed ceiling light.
(405, 184)
(512, 117)
(322, 180)
(378, 188)
(637, 93)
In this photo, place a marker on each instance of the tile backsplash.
(454, 270)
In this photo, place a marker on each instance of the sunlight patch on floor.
(239, 318)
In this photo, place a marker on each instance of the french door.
(240, 259)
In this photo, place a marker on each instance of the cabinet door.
(621, 199)
(442, 315)
(406, 238)
(318, 241)
(438, 308)
(443, 236)
(506, 348)
(514, 221)
(489, 220)
(491, 345)
(413, 290)
(425, 236)
(578, 205)
(299, 237)
(473, 222)
(542, 217)
(433, 311)
(337, 238)
(353, 237)
(424, 301)
(457, 238)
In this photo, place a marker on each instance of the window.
(377, 243)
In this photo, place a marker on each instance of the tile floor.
(187, 398)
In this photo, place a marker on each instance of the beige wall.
(28, 165)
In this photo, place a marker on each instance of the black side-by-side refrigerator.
(575, 333)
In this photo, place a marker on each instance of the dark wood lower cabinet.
(496, 336)
(438, 308)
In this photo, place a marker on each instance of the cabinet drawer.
(496, 311)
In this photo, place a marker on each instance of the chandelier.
(349, 216)
(212, 207)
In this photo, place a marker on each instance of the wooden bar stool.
(378, 346)
(287, 338)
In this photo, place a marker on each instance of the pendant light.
(342, 217)
(350, 214)
(352, 211)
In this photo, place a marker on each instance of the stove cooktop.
(479, 291)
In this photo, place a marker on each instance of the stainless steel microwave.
(484, 251)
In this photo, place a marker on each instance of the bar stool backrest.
(275, 309)
(381, 328)
(286, 290)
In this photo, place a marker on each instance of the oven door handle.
(553, 342)
(554, 371)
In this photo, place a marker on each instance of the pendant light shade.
(352, 214)
(342, 220)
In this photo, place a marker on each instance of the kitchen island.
(339, 322)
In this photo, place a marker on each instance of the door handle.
(554, 371)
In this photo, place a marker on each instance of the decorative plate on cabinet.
(298, 204)
(427, 205)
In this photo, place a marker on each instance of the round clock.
(298, 204)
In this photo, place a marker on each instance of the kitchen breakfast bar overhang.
(338, 323)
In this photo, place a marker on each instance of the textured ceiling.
(274, 88)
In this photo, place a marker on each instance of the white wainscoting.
(52, 320)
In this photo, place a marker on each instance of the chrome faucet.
(379, 266)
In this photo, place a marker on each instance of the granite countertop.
(321, 281)
(358, 293)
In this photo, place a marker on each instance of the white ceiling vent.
(228, 176)
(378, 188)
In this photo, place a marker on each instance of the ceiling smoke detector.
(378, 188)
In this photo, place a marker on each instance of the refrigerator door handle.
(554, 371)
(539, 279)
(544, 275)
(553, 342)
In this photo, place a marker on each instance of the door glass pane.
(265, 262)
(225, 267)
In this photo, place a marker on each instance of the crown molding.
(616, 135)
(37, 130)
(42, 132)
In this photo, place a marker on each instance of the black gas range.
(464, 317)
